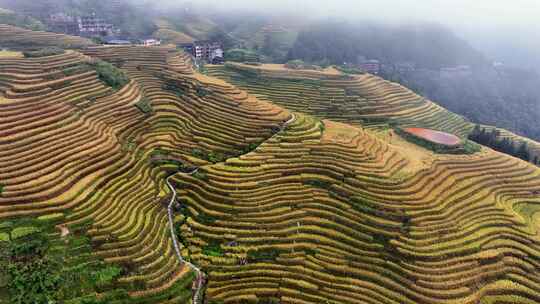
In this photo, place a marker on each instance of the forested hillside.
(505, 97)
(427, 45)
(12, 18)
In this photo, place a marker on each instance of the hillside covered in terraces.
(246, 185)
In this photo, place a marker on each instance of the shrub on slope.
(109, 74)
(49, 51)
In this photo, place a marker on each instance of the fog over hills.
(501, 31)
(513, 45)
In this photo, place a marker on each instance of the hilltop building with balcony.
(62, 23)
(209, 51)
(94, 26)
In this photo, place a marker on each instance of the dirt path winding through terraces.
(200, 275)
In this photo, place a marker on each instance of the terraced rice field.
(4, 54)
(335, 215)
(437, 137)
(167, 33)
(70, 144)
(362, 100)
(11, 36)
(313, 211)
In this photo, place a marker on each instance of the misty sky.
(504, 30)
(456, 13)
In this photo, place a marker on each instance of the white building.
(151, 42)
(204, 50)
(217, 53)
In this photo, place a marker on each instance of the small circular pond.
(437, 137)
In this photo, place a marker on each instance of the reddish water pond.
(435, 136)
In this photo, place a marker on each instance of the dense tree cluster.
(109, 74)
(49, 51)
(241, 55)
(34, 267)
(508, 98)
(493, 140)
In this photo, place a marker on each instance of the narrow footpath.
(201, 276)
